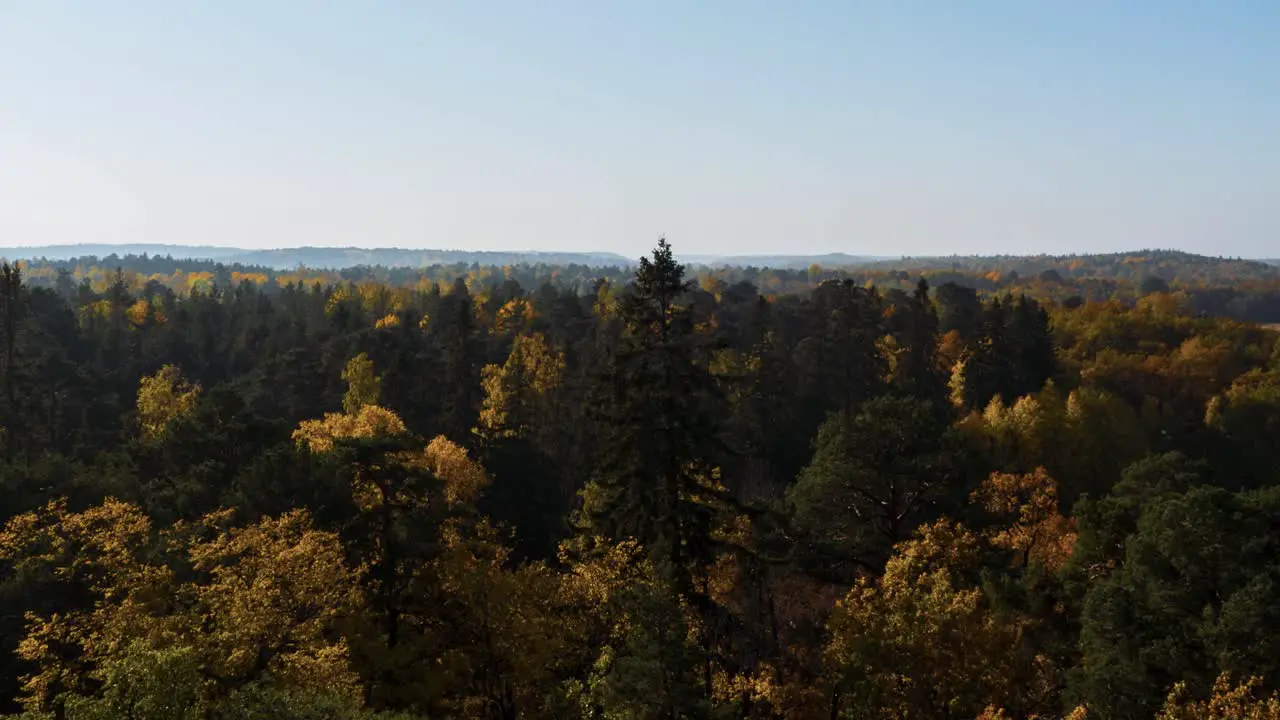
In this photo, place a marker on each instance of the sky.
(883, 127)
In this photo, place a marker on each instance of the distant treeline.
(317, 257)
(1241, 289)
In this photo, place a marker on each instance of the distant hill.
(71, 252)
(1168, 264)
(790, 262)
(319, 257)
(340, 258)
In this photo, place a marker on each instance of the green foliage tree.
(1178, 608)
(1245, 420)
(917, 370)
(363, 386)
(875, 477)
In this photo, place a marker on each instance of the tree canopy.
(941, 488)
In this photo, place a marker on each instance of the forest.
(1241, 289)
(981, 491)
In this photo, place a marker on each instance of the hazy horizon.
(732, 129)
(236, 254)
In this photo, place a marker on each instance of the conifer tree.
(655, 479)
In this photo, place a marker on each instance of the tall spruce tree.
(919, 373)
(654, 480)
(11, 311)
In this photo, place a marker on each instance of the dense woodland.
(1242, 289)
(566, 492)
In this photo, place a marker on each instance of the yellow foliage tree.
(917, 642)
(1036, 530)
(163, 398)
(141, 311)
(265, 604)
(513, 317)
(994, 713)
(362, 416)
(509, 638)
(464, 479)
(518, 393)
(636, 636)
(1227, 702)
(368, 421)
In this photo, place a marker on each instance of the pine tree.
(918, 372)
(455, 332)
(1032, 363)
(11, 312)
(874, 477)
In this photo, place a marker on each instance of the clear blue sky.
(883, 127)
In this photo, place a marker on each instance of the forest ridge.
(1241, 289)
(339, 258)
(961, 488)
